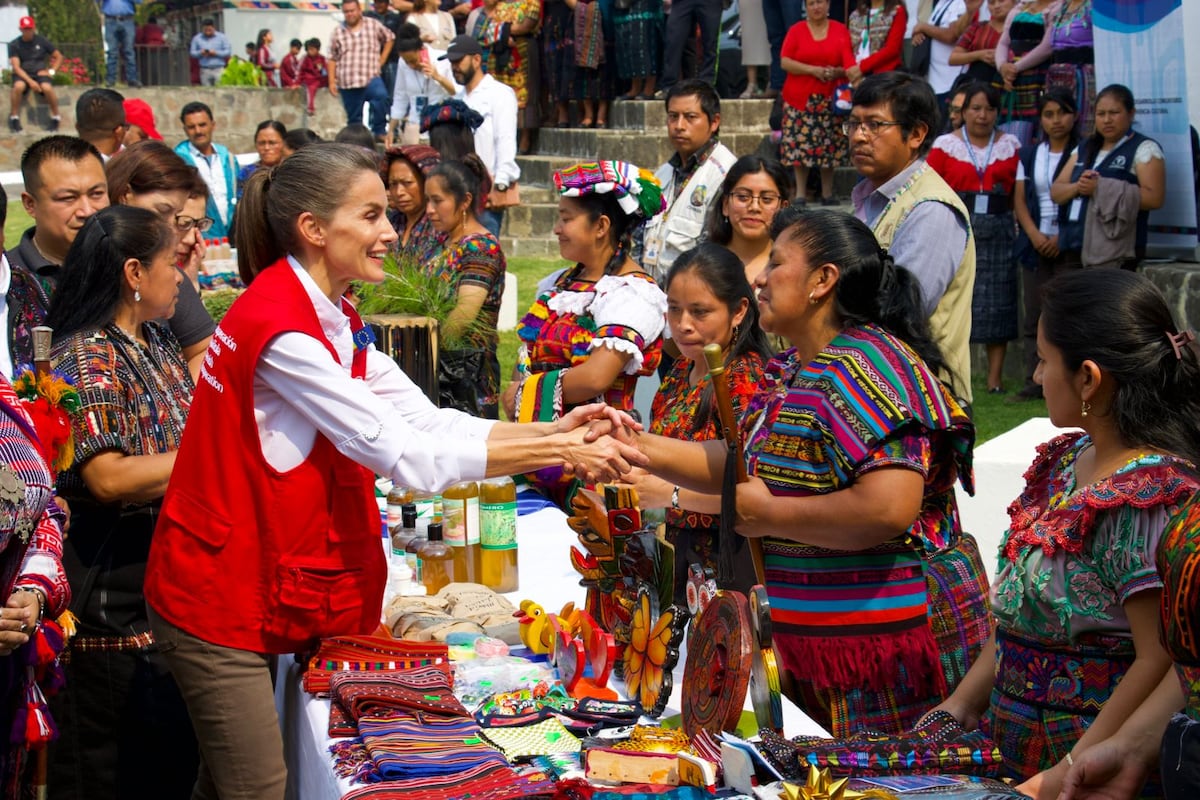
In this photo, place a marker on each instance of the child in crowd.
(289, 67)
(314, 72)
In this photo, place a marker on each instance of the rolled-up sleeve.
(384, 422)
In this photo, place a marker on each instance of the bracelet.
(675, 498)
(41, 596)
(1070, 761)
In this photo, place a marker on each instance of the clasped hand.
(602, 442)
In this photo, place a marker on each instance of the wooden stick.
(729, 432)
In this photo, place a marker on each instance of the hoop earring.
(812, 301)
(1085, 408)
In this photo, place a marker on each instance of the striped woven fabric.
(368, 653)
(412, 746)
(481, 783)
(421, 689)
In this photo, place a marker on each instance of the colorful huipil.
(675, 413)
(572, 317)
(1071, 558)
(867, 401)
(1179, 566)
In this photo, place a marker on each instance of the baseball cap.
(461, 47)
(138, 112)
(26, 23)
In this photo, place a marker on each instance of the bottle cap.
(435, 532)
(408, 515)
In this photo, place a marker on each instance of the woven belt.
(1077, 681)
(92, 644)
(996, 203)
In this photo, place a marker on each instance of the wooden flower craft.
(653, 652)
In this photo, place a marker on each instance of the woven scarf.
(369, 654)
(589, 35)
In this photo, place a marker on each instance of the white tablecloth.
(546, 576)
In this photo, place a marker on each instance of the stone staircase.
(638, 135)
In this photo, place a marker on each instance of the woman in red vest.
(295, 412)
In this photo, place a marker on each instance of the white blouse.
(385, 422)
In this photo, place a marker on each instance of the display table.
(544, 540)
(1000, 466)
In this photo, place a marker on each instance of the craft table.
(544, 540)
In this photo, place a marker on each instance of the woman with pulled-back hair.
(1077, 593)
(125, 729)
(472, 262)
(297, 411)
(853, 446)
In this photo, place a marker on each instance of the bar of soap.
(624, 766)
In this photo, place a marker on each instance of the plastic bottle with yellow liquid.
(437, 560)
(460, 507)
(498, 534)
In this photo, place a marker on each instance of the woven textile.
(368, 654)
(1044, 699)
(939, 745)
(994, 301)
(546, 737)
(420, 689)
(483, 783)
(959, 613)
(424, 745)
(1179, 564)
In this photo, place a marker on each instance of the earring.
(733, 338)
(725, 219)
(812, 301)
(1085, 408)
(137, 295)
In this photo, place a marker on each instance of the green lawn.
(992, 415)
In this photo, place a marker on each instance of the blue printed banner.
(1140, 43)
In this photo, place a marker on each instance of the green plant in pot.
(466, 353)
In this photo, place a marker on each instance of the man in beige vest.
(914, 213)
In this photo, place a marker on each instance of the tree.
(70, 21)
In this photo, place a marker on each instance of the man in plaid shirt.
(359, 48)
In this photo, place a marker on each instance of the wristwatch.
(501, 187)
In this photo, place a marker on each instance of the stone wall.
(236, 110)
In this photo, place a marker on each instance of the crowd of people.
(846, 339)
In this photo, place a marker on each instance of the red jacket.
(245, 556)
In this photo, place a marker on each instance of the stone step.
(534, 220)
(647, 115)
(538, 170)
(644, 149)
(527, 247)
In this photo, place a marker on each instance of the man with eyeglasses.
(64, 186)
(915, 215)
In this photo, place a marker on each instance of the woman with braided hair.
(853, 447)
(597, 326)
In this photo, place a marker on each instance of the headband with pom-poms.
(637, 191)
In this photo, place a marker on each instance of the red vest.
(246, 556)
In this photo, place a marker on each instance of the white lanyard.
(987, 159)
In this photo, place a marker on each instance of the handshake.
(600, 443)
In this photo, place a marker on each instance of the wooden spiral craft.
(766, 691)
(717, 671)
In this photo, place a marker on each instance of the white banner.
(1140, 44)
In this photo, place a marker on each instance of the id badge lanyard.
(1077, 204)
(981, 200)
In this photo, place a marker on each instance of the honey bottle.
(460, 505)
(498, 534)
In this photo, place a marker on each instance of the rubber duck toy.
(536, 631)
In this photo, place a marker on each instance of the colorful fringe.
(483, 783)
(367, 654)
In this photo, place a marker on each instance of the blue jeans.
(374, 94)
(118, 37)
(780, 16)
(492, 220)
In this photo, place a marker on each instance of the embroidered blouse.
(571, 317)
(1179, 565)
(677, 403)
(866, 401)
(134, 398)
(1074, 554)
(27, 508)
(477, 260)
(955, 159)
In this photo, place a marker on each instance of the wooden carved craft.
(653, 651)
(717, 672)
(617, 557)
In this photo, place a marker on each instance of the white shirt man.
(496, 138)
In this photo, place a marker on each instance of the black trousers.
(681, 24)
(1034, 280)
